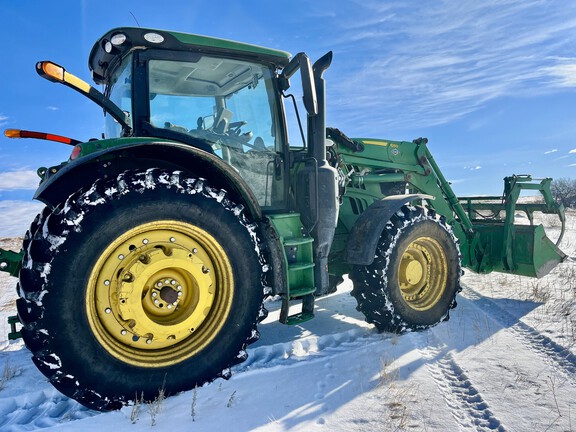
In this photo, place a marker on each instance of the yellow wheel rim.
(160, 293)
(423, 273)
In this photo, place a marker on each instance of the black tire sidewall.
(413, 318)
(79, 352)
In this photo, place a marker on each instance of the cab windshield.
(120, 92)
(229, 104)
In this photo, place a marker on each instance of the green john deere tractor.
(149, 265)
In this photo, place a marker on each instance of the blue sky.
(492, 84)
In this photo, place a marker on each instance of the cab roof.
(117, 42)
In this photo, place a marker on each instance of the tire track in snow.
(554, 354)
(464, 400)
(39, 410)
(307, 348)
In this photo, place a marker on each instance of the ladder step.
(299, 318)
(301, 291)
(300, 267)
(297, 241)
(305, 314)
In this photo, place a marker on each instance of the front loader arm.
(495, 243)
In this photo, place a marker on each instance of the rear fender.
(108, 163)
(364, 236)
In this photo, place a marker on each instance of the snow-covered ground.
(505, 361)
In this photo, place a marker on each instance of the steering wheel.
(234, 127)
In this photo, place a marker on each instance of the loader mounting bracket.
(10, 261)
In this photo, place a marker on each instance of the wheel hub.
(162, 286)
(422, 274)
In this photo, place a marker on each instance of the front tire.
(415, 276)
(149, 282)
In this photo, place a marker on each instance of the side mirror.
(302, 62)
(56, 73)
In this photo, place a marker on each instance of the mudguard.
(60, 182)
(365, 233)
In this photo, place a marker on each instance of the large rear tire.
(150, 282)
(415, 276)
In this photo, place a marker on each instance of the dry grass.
(406, 406)
(8, 373)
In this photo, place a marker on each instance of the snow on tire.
(415, 276)
(150, 282)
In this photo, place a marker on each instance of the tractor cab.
(219, 96)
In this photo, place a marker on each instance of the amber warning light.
(18, 133)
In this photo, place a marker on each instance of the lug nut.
(145, 241)
(194, 250)
(123, 332)
(107, 282)
(108, 310)
(205, 270)
(120, 257)
(154, 294)
(172, 239)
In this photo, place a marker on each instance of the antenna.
(135, 19)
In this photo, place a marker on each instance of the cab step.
(299, 260)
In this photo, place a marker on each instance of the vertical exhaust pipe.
(319, 183)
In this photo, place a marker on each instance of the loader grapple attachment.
(508, 247)
(532, 252)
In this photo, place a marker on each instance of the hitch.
(12, 321)
(11, 262)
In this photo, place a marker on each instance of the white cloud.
(563, 73)
(572, 151)
(53, 108)
(551, 151)
(3, 119)
(442, 60)
(16, 216)
(19, 180)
